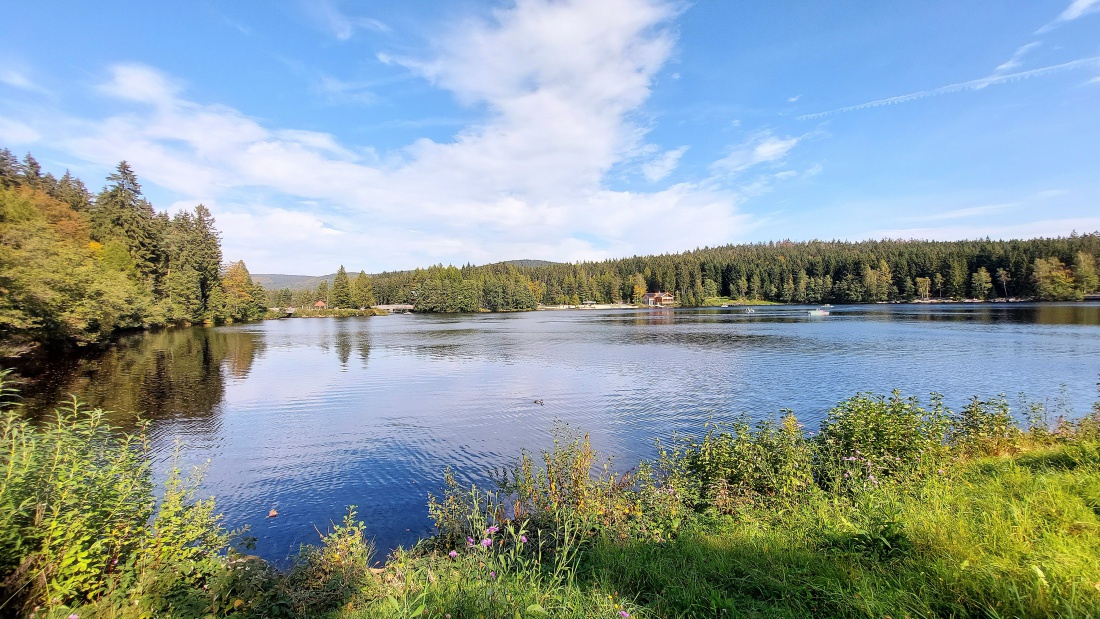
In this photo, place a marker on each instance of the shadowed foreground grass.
(892, 509)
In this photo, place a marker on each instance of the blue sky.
(389, 135)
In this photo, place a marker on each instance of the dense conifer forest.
(77, 267)
(1056, 269)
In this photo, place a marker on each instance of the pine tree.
(362, 291)
(71, 191)
(121, 213)
(10, 168)
(32, 172)
(341, 290)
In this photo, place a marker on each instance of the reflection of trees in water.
(362, 344)
(1038, 313)
(175, 373)
(342, 341)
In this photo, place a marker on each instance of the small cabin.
(320, 305)
(658, 299)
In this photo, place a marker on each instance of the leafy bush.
(736, 464)
(77, 524)
(868, 439)
(986, 428)
(327, 576)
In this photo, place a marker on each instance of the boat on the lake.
(819, 312)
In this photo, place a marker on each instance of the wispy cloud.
(793, 99)
(978, 84)
(963, 213)
(340, 24)
(338, 91)
(660, 167)
(762, 147)
(1017, 57)
(18, 79)
(1076, 9)
(14, 132)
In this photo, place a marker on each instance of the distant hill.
(530, 263)
(275, 281)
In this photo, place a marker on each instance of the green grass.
(890, 510)
(996, 537)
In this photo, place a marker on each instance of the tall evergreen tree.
(10, 168)
(32, 172)
(121, 213)
(341, 290)
(362, 291)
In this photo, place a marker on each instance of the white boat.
(750, 311)
(818, 312)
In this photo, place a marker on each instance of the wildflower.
(523, 539)
(941, 471)
(491, 530)
(447, 616)
(452, 554)
(486, 542)
(492, 574)
(74, 616)
(624, 614)
(470, 541)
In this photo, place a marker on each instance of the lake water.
(311, 415)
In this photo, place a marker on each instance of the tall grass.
(891, 508)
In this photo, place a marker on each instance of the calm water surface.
(311, 415)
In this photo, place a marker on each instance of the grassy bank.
(890, 508)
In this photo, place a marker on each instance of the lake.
(311, 415)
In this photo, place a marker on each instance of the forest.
(77, 267)
(1058, 269)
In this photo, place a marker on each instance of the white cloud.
(137, 82)
(1017, 57)
(15, 132)
(963, 213)
(341, 25)
(18, 79)
(658, 168)
(762, 147)
(562, 83)
(793, 99)
(1076, 9)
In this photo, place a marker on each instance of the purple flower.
(470, 541)
(523, 539)
(491, 530)
(74, 616)
(452, 554)
(486, 542)
(624, 614)
(492, 574)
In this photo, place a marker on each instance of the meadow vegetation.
(892, 507)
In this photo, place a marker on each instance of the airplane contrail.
(977, 84)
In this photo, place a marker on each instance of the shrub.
(327, 576)
(868, 439)
(986, 428)
(77, 524)
(736, 464)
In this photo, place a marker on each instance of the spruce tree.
(121, 213)
(341, 290)
(362, 291)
